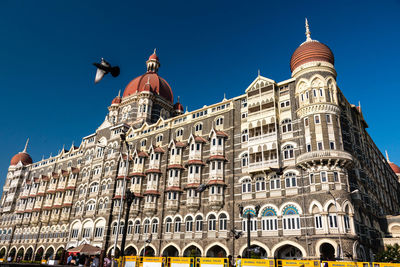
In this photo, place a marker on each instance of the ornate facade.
(297, 148)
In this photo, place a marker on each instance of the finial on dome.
(178, 98)
(155, 50)
(387, 156)
(359, 106)
(119, 93)
(308, 33)
(26, 145)
(224, 97)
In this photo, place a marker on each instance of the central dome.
(150, 82)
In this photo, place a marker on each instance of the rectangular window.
(336, 176)
(332, 221)
(319, 145)
(332, 145)
(316, 119)
(323, 177)
(306, 122)
(318, 221)
(328, 118)
(312, 179)
(308, 148)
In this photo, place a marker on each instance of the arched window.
(212, 222)
(154, 226)
(260, 184)
(130, 228)
(93, 188)
(100, 204)
(121, 228)
(177, 225)
(91, 205)
(137, 227)
(269, 221)
(146, 226)
(114, 229)
(198, 127)
(245, 135)
(219, 121)
(290, 180)
(288, 152)
(223, 222)
(332, 217)
(291, 218)
(286, 125)
(179, 132)
(189, 224)
(168, 225)
(244, 160)
(246, 185)
(199, 223)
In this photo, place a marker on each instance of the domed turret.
(392, 165)
(178, 107)
(117, 100)
(311, 51)
(150, 82)
(22, 157)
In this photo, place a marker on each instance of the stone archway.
(49, 253)
(39, 254)
(148, 251)
(256, 252)
(12, 253)
(327, 252)
(20, 253)
(216, 251)
(130, 251)
(289, 252)
(59, 254)
(192, 251)
(170, 251)
(2, 252)
(28, 254)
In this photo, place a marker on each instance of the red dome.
(116, 100)
(23, 157)
(178, 106)
(395, 168)
(153, 56)
(311, 51)
(157, 86)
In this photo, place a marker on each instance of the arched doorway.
(39, 254)
(289, 252)
(192, 251)
(49, 254)
(2, 252)
(256, 252)
(28, 254)
(117, 252)
(170, 251)
(148, 252)
(130, 251)
(59, 254)
(12, 253)
(20, 254)
(216, 251)
(327, 252)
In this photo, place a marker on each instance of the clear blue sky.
(206, 48)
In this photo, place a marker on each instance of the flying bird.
(103, 68)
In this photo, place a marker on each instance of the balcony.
(150, 208)
(193, 204)
(262, 165)
(334, 157)
(262, 139)
(172, 205)
(216, 201)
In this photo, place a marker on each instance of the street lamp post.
(123, 141)
(249, 215)
(129, 197)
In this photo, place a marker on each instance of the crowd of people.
(85, 260)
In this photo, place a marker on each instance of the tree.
(390, 254)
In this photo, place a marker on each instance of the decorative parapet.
(330, 157)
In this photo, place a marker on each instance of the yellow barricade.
(1, 260)
(180, 262)
(152, 261)
(345, 264)
(255, 262)
(43, 262)
(212, 262)
(297, 263)
(130, 261)
(385, 264)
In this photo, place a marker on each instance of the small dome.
(394, 167)
(153, 56)
(311, 51)
(150, 82)
(116, 100)
(23, 157)
(178, 107)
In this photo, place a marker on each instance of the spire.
(155, 50)
(387, 156)
(178, 98)
(308, 33)
(258, 72)
(119, 93)
(26, 145)
(359, 105)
